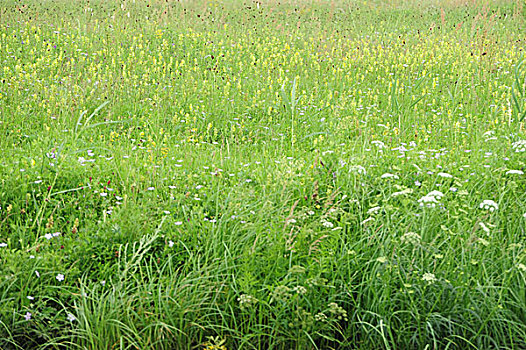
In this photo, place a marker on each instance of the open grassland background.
(262, 175)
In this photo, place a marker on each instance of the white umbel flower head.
(428, 202)
(519, 146)
(488, 204)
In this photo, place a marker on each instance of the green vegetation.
(262, 175)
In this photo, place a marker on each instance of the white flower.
(379, 144)
(178, 223)
(373, 210)
(48, 236)
(71, 318)
(429, 277)
(358, 169)
(60, 277)
(428, 201)
(151, 188)
(437, 194)
(445, 175)
(27, 316)
(171, 244)
(2, 245)
(327, 224)
(514, 172)
(389, 175)
(519, 146)
(406, 191)
(300, 289)
(103, 194)
(488, 204)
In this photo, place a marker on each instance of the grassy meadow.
(262, 175)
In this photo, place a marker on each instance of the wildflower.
(406, 191)
(358, 169)
(171, 244)
(327, 224)
(373, 210)
(428, 202)
(300, 289)
(436, 194)
(514, 172)
(429, 277)
(27, 316)
(246, 300)
(320, 317)
(521, 267)
(337, 311)
(389, 175)
(2, 245)
(445, 175)
(71, 317)
(411, 237)
(37, 273)
(488, 204)
(60, 277)
(379, 144)
(519, 146)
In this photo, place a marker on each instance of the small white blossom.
(406, 191)
(60, 277)
(519, 146)
(379, 144)
(327, 224)
(489, 204)
(373, 210)
(445, 175)
(358, 169)
(389, 175)
(514, 172)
